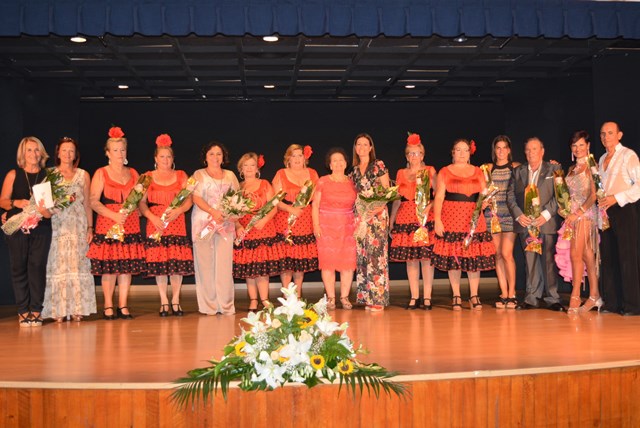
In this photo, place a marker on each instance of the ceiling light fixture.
(78, 39)
(460, 39)
(269, 86)
(270, 39)
(410, 86)
(123, 86)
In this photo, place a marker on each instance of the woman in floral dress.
(372, 271)
(70, 290)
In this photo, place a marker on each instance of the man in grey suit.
(542, 272)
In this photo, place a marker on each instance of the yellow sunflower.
(308, 319)
(239, 346)
(317, 362)
(345, 367)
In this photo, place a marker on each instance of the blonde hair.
(409, 146)
(114, 140)
(20, 157)
(245, 157)
(289, 153)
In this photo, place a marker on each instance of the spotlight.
(410, 86)
(123, 86)
(78, 39)
(270, 39)
(269, 86)
(460, 39)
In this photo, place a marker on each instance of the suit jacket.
(515, 196)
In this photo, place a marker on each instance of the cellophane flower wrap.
(493, 203)
(371, 200)
(30, 217)
(486, 194)
(532, 210)
(129, 205)
(422, 199)
(261, 213)
(563, 197)
(603, 217)
(293, 343)
(303, 198)
(177, 202)
(233, 205)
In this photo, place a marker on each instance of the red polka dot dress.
(110, 256)
(173, 255)
(403, 248)
(302, 255)
(459, 202)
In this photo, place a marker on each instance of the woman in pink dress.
(333, 226)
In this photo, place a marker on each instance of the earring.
(258, 174)
(126, 161)
(155, 165)
(205, 163)
(241, 175)
(173, 166)
(573, 157)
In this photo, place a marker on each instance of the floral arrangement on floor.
(293, 343)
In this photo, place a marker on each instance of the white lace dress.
(70, 288)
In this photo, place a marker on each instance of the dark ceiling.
(300, 68)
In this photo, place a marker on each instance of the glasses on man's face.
(414, 154)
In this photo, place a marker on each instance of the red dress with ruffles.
(261, 253)
(302, 255)
(403, 248)
(110, 256)
(459, 202)
(173, 255)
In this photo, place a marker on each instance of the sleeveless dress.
(336, 245)
(372, 263)
(262, 252)
(403, 248)
(579, 190)
(173, 254)
(110, 256)
(501, 176)
(459, 202)
(302, 255)
(70, 288)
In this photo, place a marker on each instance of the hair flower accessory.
(115, 132)
(307, 152)
(260, 161)
(413, 139)
(163, 140)
(472, 147)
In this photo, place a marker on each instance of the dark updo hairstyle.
(211, 144)
(332, 151)
(577, 136)
(63, 140)
(496, 140)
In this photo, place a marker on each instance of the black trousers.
(620, 252)
(28, 256)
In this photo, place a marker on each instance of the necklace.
(26, 175)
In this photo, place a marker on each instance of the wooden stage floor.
(150, 352)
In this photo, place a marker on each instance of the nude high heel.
(591, 303)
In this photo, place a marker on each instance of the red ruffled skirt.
(173, 255)
(302, 254)
(261, 253)
(403, 248)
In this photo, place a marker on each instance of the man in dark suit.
(542, 272)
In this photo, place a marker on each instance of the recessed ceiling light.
(270, 39)
(460, 39)
(123, 86)
(410, 86)
(78, 39)
(269, 86)
(204, 96)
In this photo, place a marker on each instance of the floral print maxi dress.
(372, 265)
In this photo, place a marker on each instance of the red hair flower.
(163, 140)
(115, 132)
(260, 161)
(413, 139)
(472, 147)
(307, 152)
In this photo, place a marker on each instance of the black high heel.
(416, 304)
(424, 304)
(456, 304)
(124, 316)
(178, 312)
(164, 312)
(477, 306)
(108, 317)
(254, 310)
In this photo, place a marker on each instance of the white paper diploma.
(42, 192)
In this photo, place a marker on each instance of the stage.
(487, 368)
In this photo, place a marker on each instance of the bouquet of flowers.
(564, 201)
(371, 200)
(493, 204)
(30, 217)
(302, 200)
(294, 343)
(130, 205)
(603, 218)
(177, 202)
(532, 210)
(423, 197)
(262, 213)
(487, 193)
(233, 205)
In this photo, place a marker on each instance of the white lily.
(297, 351)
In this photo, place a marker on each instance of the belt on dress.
(460, 197)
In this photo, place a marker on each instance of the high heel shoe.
(574, 309)
(346, 304)
(331, 303)
(176, 312)
(424, 304)
(416, 304)
(124, 316)
(254, 310)
(477, 306)
(456, 303)
(108, 317)
(266, 304)
(164, 311)
(591, 303)
(502, 302)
